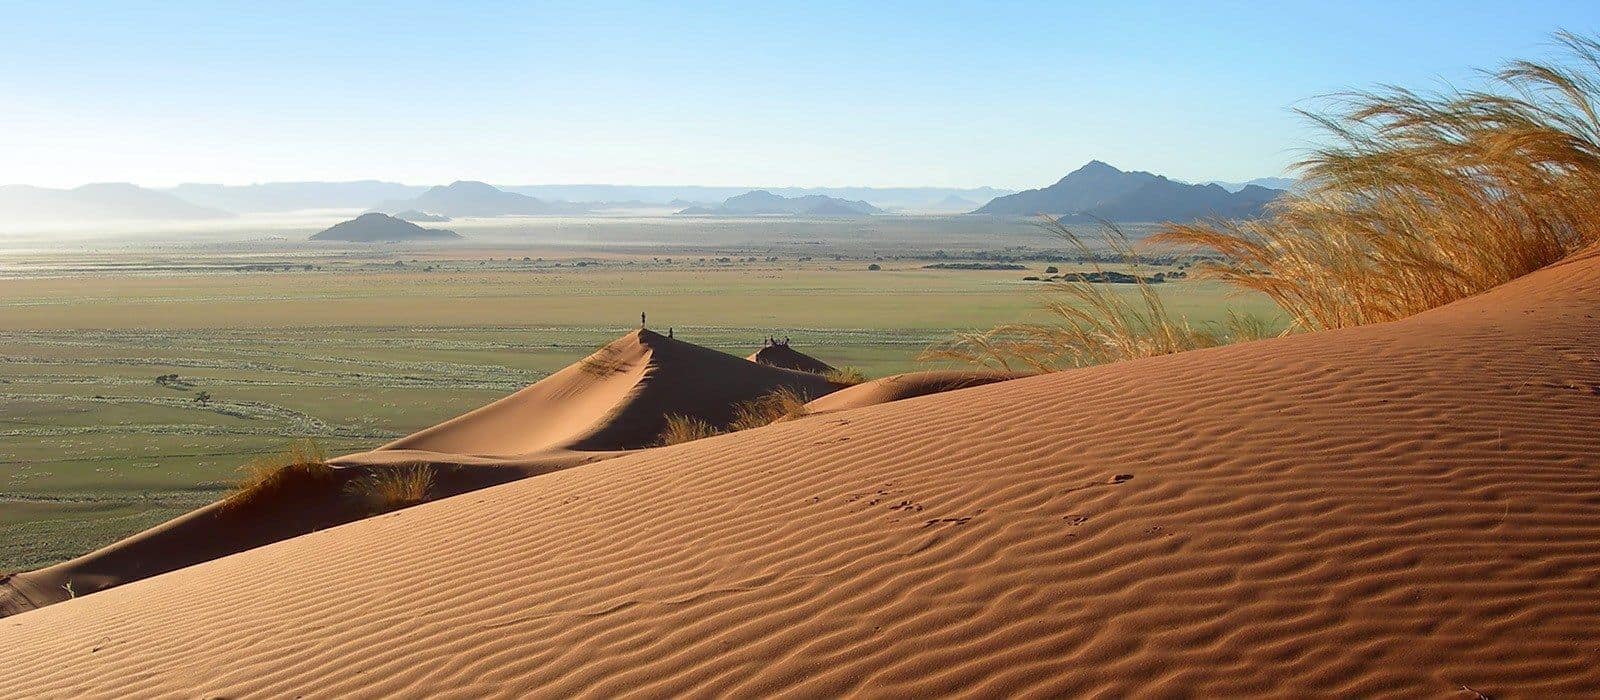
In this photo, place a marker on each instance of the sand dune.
(905, 386)
(614, 399)
(218, 530)
(781, 355)
(602, 407)
(1408, 509)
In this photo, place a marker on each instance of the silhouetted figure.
(669, 331)
(641, 319)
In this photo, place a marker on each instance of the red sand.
(781, 355)
(613, 400)
(905, 386)
(601, 407)
(1407, 509)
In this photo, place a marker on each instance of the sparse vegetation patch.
(680, 429)
(845, 376)
(1092, 325)
(783, 403)
(302, 463)
(392, 488)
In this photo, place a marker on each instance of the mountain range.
(98, 202)
(1096, 190)
(293, 196)
(1100, 191)
(764, 203)
(420, 217)
(363, 194)
(882, 197)
(1271, 183)
(468, 198)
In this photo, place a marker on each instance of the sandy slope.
(1401, 509)
(905, 386)
(599, 408)
(614, 399)
(781, 355)
(218, 530)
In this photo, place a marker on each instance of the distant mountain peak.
(375, 227)
(756, 195)
(764, 203)
(1271, 183)
(1098, 190)
(472, 198)
(471, 185)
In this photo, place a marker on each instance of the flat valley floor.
(132, 393)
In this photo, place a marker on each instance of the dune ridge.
(781, 355)
(1399, 509)
(909, 385)
(615, 399)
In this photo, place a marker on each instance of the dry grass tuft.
(845, 376)
(301, 463)
(681, 429)
(1424, 199)
(782, 403)
(393, 488)
(1094, 323)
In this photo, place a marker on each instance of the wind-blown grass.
(1425, 198)
(680, 429)
(393, 488)
(781, 403)
(1092, 323)
(845, 376)
(303, 462)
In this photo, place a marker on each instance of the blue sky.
(951, 94)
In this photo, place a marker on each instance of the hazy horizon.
(447, 181)
(642, 185)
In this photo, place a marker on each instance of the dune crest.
(614, 399)
(906, 386)
(1402, 509)
(781, 355)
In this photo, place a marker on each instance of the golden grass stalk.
(302, 462)
(1424, 199)
(845, 376)
(1092, 323)
(681, 429)
(782, 403)
(392, 488)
